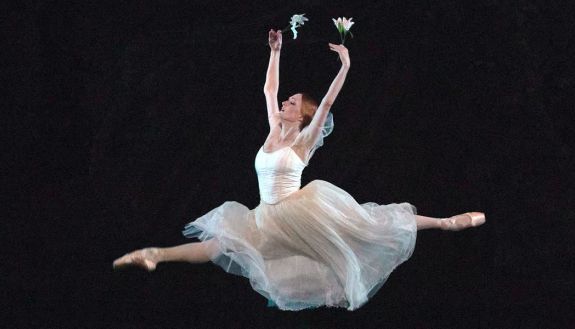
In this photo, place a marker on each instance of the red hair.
(308, 108)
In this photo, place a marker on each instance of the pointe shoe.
(463, 221)
(146, 258)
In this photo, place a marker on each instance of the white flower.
(297, 21)
(343, 25)
(338, 24)
(347, 23)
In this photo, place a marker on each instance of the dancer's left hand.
(275, 40)
(343, 54)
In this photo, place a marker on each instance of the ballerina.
(302, 247)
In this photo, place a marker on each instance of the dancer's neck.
(289, 131)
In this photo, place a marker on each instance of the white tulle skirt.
(317, 247)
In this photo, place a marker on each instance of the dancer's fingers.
(337, 48)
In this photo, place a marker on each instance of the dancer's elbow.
(269, 91)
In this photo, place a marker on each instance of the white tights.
(195, 252)
(424, 222)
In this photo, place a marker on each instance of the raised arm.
(272, 78)
(320, 115)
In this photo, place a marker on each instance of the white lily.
(338, 24)
(347, 23)
(343, 25)
(297, 21)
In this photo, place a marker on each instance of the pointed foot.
(463, 221)
(145, 258)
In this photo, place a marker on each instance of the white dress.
(309, 247)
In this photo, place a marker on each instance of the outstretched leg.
(195, 252)
(148, 258)
(424, 222)
(453, 223)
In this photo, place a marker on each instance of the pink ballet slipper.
(146, 258)
(463, 221)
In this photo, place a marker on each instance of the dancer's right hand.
(275, 39)
(343, 53)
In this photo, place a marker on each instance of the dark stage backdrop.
(125, 120)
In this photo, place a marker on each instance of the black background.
(125, 120)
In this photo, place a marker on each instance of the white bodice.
(279, 173)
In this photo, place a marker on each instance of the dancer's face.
(291, 108)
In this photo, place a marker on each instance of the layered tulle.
(316, 247)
